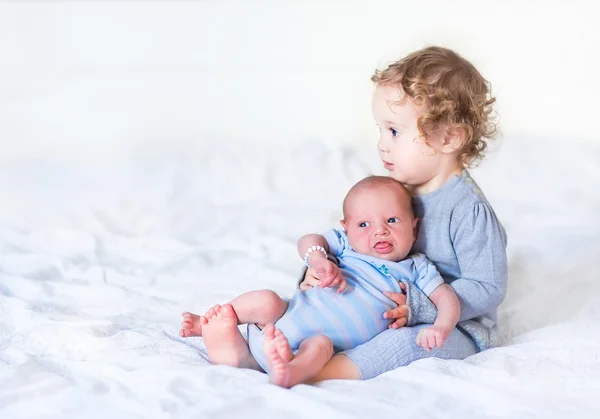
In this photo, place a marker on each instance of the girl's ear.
(454, 139)
(344, 224)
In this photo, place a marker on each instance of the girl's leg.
(389, 350)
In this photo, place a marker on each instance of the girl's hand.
(399, 315)
(432, 337)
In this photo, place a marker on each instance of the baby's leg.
(224, 342)
(287, 370)
(260, 307)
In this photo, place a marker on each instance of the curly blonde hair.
(452, 91)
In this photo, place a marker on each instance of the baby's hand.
(329, 274)
(432, 337)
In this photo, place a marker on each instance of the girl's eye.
(363, 224)
(394, 132)
(393, 220)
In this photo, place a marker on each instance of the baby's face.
(378, 223)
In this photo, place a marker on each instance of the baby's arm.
(448, 309)
(327, 271)
(309, 240)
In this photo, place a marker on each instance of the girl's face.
(421, 166)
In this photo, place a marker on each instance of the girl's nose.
(382, 145)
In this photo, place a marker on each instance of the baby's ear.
(344, 225)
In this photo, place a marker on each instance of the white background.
(117, 76)
(222, 110)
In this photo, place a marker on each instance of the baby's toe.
(269, 331)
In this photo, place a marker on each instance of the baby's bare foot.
(283, 346)
(278, 353)
(286, 369)
(269, 337)
(212, 312)
(192, 324)
(274, 338)
(224, 342)
(281, 372)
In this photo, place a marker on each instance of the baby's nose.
(382, 230)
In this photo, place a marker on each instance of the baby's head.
(434, 111)
(379, 219)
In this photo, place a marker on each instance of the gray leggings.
(397, 348)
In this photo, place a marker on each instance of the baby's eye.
(363, 224)
(393, 220)
(394, 132)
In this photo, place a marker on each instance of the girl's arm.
(448, 308)
(480, 247)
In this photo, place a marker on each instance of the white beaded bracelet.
(310, 250)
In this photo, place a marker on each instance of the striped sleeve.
(337, 241)
(427, 277)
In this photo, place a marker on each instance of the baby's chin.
(392, 256)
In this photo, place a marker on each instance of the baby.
(379, 229)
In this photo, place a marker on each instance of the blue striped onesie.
(356, 316)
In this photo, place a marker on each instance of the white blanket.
(97, 261)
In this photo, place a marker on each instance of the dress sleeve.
(480, 244)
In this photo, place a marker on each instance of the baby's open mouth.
(383, 247)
